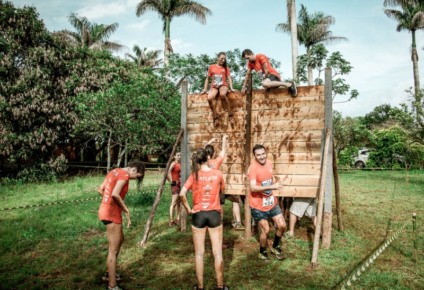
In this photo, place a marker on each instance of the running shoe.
(263, 256)
(238, 226)
(278, 252)
(293, 89)
(106, 277)
(114, 288)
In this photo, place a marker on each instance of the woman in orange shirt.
(219, 73)
(113, 189)
(205, 184)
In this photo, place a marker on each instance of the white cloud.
(138, 26)
(180, 46)
(100, 10)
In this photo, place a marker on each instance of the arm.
(224, 146)
(101, 189)
(259, 188)
(244, 87)
(230, 83)
(168, 176)
(265, 68)
(184, 200)
(205, 87)
(209, 142)
(117, 198)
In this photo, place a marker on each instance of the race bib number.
(217, 80)
(267, 201)
(266, 183)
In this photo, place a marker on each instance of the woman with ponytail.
(205, 184)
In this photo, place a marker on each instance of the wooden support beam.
(185, 153)
(247, 154)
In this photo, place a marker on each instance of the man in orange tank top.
(271, 78)
(263, 203)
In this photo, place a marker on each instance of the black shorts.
(105, 222)
(210, 219)
(272, 77)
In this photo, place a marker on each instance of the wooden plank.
(279, 168)
(304, 93)
(292, 113)
(288, 136)
(286, 179)
(201, 101)
(288, 191)
(278, 149)
(288, 125)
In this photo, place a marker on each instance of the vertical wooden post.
(414, 232)
(247, 150)
(159, 193)
(337, 191)
(328, 204)
(185, 165)
(321, 199)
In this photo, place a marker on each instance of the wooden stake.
(337, 191)
(321, 199)
(247, 150)
(185, 166)
(160, 190)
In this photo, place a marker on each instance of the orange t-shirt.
(215, 163)
(219, 75)
(265, 200)
(109, 210)
(259, 61)
(175, 173)
(205, 190)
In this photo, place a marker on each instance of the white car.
(361, 159)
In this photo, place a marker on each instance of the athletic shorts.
(272, 77)
(259, 215)
(303, 206)
(210, 219)
(176, 189)
(105, 222)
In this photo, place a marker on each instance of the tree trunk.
(310, 73)
(168, 48)
(109, 148)
(126, 153)
(291, 7)
(418, 97)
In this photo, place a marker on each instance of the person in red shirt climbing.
(271, 78)
(263, 203)
(219, 73)
(205, 184)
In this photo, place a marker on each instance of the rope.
(363, 266)
(66, 201)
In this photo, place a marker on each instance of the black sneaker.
(278, 252)
(293, 89)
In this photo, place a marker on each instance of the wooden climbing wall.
(289, 128)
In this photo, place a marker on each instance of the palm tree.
(167, 10)
(312, 29)
(145, 58)
(411, 18)
(91, 35)
(291, 16)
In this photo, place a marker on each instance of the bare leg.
(267, 83)
(212, 101)
(281, 224)
(293, 220)
(223, 91)
(216, 239)
(172, 207)
(115, 237)
(199, 251)
(264, 226)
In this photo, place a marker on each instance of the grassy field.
(64, 246)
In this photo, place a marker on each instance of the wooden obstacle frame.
(292, 129)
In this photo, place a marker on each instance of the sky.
(380, 56)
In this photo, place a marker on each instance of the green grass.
(64, 246)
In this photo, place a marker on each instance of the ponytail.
(198, 158)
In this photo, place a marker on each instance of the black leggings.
(202, 219)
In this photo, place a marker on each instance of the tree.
(144, 57)
(410, 17)
(91, 35)
(312, 29)
(167, 10)
(340, 67)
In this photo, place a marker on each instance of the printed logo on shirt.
(266, 183)
(217, 80)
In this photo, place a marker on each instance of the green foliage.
(346, 156)
(315, 59)
(194, 69)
